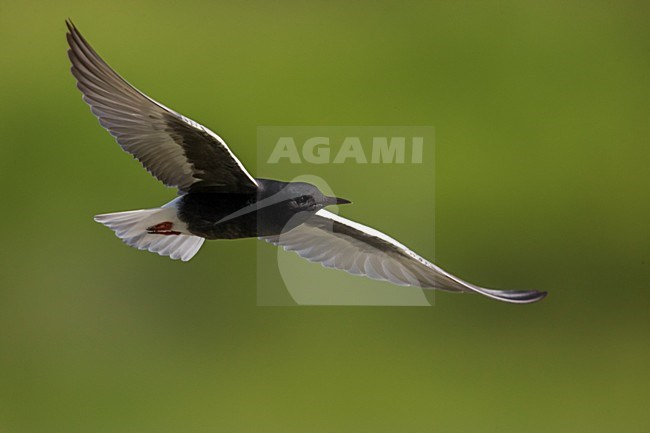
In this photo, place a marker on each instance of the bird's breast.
(235, 216)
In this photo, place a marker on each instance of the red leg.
(163, 228)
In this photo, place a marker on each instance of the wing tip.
(516, 296)
(71, 27)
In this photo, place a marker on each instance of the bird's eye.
(302, 199)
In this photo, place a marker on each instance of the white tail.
(131, 227)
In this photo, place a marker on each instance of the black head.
(281, 206)
(305, 197)
(292, 198)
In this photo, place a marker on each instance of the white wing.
(176, 150)
(339, 243)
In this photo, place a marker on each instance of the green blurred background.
(541, 115)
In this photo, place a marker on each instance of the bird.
(219, 199)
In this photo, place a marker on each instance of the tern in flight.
(219, 199)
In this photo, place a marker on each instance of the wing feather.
(174, 149)
(339, 243)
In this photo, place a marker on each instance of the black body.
(274, 208)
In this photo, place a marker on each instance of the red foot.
(164, 228)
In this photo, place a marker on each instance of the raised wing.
(176, 150)
(339, 243)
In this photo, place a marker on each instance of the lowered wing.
(339, 243)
